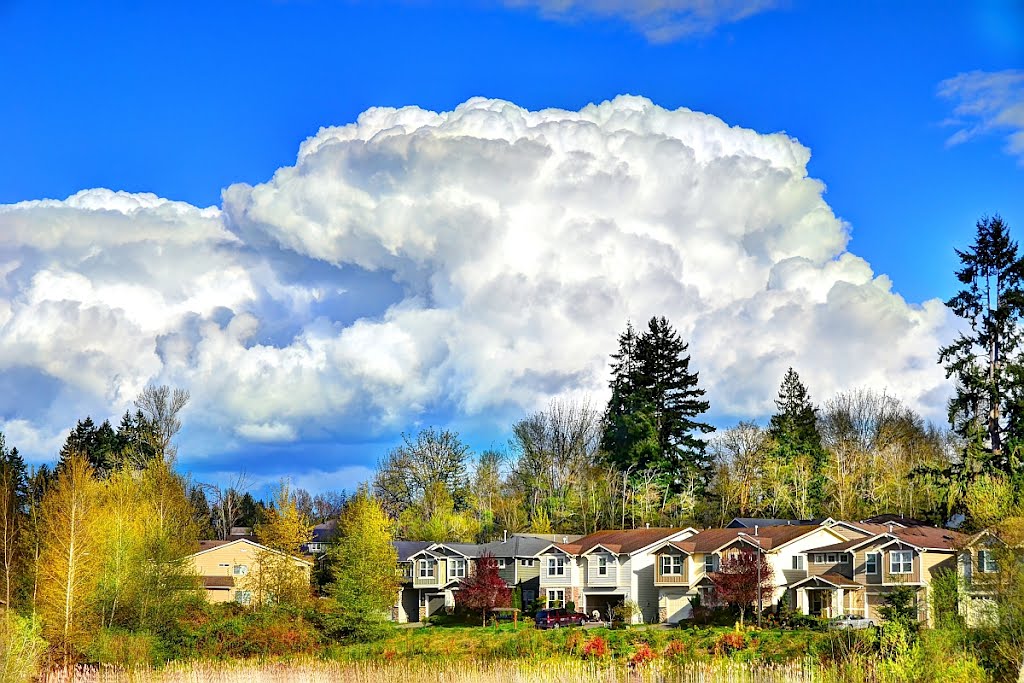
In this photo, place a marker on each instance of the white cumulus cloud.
(463, 265)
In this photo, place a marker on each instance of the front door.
(817, 602)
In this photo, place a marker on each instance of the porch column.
(804, 601)
(867, 607)
(839, 601)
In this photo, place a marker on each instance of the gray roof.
(322, 533)
(406, 549)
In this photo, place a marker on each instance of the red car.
(557, 618)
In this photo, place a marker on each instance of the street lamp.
(760, 554)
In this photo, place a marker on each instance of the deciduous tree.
(484, 589)
(736, 581)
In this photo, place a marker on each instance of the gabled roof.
(835, 580)
(770, 537)
(921, 537)
(207, 546)
(621, 541)
(898, 520)
(218, 582)
(751, 522)
(322, 533)
(406, 549)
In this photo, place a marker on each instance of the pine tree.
(794, 429)
(986, 362)
(665, 384)
(362, 561)
(651, 418)
(13, 518)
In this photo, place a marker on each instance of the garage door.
(677, 607)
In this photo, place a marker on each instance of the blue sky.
(183, 100)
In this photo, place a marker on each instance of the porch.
(829, 596)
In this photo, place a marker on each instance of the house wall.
(642, 587)
(570, 578)
(662, 579)
(209, 563)
(589, 567)
(440, 575)
(781, 559)
(814, 569)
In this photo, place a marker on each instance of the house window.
(243, 597)
(711, 563)
(240, 570)
(819, 558)
(426, 569)
(527, 599)
(525, 563)
(871, 562)
(672, 565)
(556, 566)
(986, 562)
(602, 566)
(501, 562)
(798, 562)
(457, 569)
(831, 558)
(901, 562)
(556, 598)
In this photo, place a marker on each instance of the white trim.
(690, 531)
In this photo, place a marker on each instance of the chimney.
(565, 539)
(647, 525)
(755, 530)
(505, 537)
(890, 527)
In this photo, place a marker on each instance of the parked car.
(850, 622)
(557, 618)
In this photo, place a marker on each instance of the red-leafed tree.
(736, 580)
(484, 589)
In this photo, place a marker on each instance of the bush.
(126, 648)
(643, 655)
(595, 648)
(728, 643)
(21, 648)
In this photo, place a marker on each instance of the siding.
(670, 579)
(645, 592)
(208, 564)
(814, 569)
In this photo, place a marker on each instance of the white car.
(851, 622)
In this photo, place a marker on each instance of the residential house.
(431, 572)
(751, 522)
(320, 537)
(854, 575)
(606, 568)
(683, 567)
(980, 577)
(228, 568)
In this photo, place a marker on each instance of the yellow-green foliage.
(20, 648)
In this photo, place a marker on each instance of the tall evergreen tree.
(653, 418)
(794, 430)
(13, 519)
(986, 361)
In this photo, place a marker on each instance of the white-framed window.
(243, 597)
(872, 562)
(526, 562)
(831, 558)
(798, 562)
(426, 569)
(987, 562)
(556, 597)
(456, 568)
(819, 558)
(556, 566)
(240, 570)
(711, 563)
(500, 562)
(602, 566)
(901, 562)
(671, 565)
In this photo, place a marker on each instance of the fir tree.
(651, 419)
(794, 429)
(988, 408)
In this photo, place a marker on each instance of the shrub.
(595, 648)
(125, 648)
(20, 648)
(574, 641)
(643, 655)
(677, 649)
(728, 643)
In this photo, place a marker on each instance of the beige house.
(854, 575)
(682, 568)
(229, 570)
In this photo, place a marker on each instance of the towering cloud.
(466, 264)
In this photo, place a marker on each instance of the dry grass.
(557, 671)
